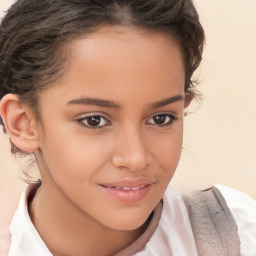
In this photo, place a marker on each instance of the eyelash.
(172, 118)
(85, 119)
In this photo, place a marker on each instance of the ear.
(188, 98)
(19, 122)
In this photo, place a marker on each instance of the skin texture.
(134, 69)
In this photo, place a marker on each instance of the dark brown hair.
(33, 32)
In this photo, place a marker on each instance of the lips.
(129, 183)
(125, 188)
(128, 191)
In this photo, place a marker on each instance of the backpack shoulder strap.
(213, 225)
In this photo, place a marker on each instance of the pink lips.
(128, 191)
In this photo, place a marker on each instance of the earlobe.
(19, 123)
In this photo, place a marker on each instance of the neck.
(66, 230)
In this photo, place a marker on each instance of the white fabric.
(173, 235)
(25, 239)
(243, 209)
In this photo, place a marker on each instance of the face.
(110, 133)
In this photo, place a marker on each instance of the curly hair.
(33, 33)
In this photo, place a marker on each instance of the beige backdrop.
(219, 140)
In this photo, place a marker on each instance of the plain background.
(219, 138)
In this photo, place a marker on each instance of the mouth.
(125, 188)
(128, 191)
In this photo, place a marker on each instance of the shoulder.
(225, 217)
(239, 202)
(25, 238)
(243, 209)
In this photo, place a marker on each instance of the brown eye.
(162, 119)
(94, 121)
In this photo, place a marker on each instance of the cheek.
(167, 152)
(74, 156)
(168, 156)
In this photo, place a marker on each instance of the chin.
(129, 222)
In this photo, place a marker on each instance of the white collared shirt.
(173, 236)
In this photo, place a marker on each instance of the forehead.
(130, 43)
(124, 60)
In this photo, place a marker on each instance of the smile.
(126, 194)
(125, 188)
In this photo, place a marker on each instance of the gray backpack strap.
(213, 225)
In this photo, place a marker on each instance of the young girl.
(96, 90)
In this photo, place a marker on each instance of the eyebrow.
(113, 104)
(166, 101)
(95, 102)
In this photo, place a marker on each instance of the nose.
(131, 151)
